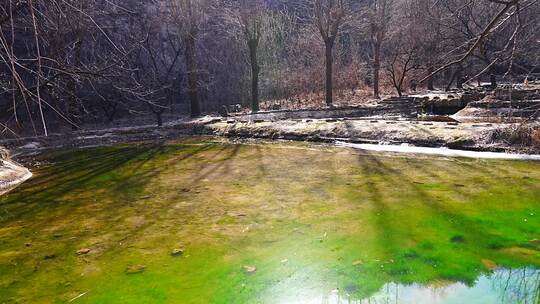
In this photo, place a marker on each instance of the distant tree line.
(69, 62)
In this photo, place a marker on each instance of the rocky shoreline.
(375, 130)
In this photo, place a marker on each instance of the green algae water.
(206, 221)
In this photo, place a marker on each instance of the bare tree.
(329, 17)
(380, 17)
(189, 16)
(64, 63)
(507, 9)
(251, 18)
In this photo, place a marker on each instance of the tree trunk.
(159, 118)
(192, 76)
(376, 68)
(430, 84)
(454, 75)
(253, 44)
(71, 106)
(329, 65)
(459, 78)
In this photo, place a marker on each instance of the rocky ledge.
(373, 129)
(466, 136)
(12, 175)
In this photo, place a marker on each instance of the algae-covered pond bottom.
(209, 221)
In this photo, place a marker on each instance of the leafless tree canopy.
(64, 63)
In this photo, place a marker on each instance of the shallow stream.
(207, 221)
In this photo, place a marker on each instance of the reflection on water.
(516, 286)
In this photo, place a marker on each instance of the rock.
(493, 108)
(28, 244)
(250, 269)
(223, 111)
(83, 251)
(235, 108)
(357, 263)
(351, 288)
(457, 239)
(177, 252)
(535, 242)
(31, 146)
(134, 269)
(50, 256)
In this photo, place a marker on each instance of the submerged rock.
(489, 264)
(50, 256)
(134, 269)
(177, 252)
(83, 251)
(357, 263)
(250, 269)
(457, 239)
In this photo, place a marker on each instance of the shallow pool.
(211, 221)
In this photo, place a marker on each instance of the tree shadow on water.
(120, 172)
(396, 236)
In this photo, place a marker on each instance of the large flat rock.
(12, 175)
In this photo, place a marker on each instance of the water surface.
(270, 223)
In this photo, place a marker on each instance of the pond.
(204, 220)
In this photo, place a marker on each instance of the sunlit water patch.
(501, 287)
(204, 221)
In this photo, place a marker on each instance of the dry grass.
(316, 100)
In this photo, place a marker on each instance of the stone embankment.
(504, 104)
